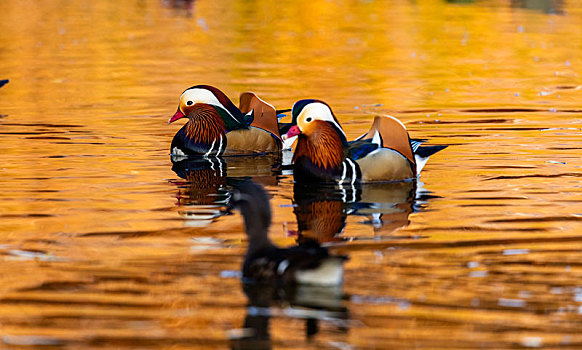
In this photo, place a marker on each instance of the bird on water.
(323, 153)
(306, 263)
(215, 125)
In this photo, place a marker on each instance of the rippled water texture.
(104, 246)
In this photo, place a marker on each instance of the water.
(103, 245)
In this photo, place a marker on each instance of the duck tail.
(422, 154)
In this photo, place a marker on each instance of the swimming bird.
(215, 125)
(384, 153)
(306, 263)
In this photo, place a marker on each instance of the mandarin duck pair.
(216, 126)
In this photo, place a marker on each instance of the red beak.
(293, 131)
(176, 116)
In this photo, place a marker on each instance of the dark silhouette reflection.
(545, 6)
(322, 210)
(203, 193)
(181, 5)
(314, 304)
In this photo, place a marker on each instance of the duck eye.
(189, 103)
(308, 119)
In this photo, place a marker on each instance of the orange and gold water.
(99, 248)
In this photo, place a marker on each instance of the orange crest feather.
(205, 125)
(321, 144)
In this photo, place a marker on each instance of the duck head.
(316, 110)
(200, 97)
(321, 138)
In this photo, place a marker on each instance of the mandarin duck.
(384, 153)
(215, 125)
(307, 263)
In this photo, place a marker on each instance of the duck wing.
(415, 144)
(309, 254)
(359, 148)
(262, 114)
(392, 134)
(284, 263)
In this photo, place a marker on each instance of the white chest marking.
(178, 152)
(353, 170)
(344, 166)
(283, 265)
(220, 146)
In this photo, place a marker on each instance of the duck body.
(306, 263)
(216, 126)
(384, 153)
(385, 164)
(203, 134)
(321, 155)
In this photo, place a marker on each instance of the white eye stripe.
(202, 96)
(319, 111)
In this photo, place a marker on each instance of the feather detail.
(322, 145)
(222, 99)
(263, 116)
(393, 135)
(205, 125)
(359, 148)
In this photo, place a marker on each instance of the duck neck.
(205, 125)
(257, 221)
(323, 146)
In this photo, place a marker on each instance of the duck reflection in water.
(181, 5)
(314, 304)
(305, 277)
(321, 210)
(202, 196)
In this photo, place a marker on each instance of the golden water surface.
(104, 246)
